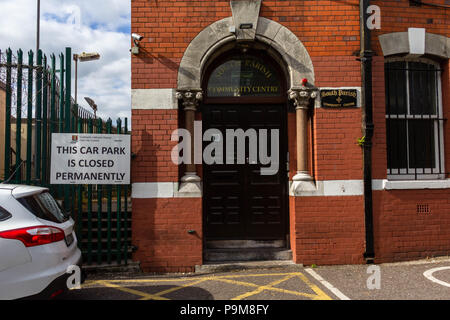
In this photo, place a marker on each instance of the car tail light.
(34, 236)
(56, 293)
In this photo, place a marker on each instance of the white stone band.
(153, 99)
(356, 187)
(149, 190)
(152, 190)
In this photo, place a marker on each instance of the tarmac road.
(398, 281)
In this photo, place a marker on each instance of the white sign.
(85, 158)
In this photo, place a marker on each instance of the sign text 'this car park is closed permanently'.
(90, 159)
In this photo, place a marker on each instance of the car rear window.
(4, 215)
(44, 206)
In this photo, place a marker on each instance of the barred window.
(414, 122)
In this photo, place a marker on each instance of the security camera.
(137, 37)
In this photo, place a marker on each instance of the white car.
(37, 244)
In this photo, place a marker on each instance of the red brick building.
(361, 115)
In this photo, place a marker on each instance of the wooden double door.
(238, 201)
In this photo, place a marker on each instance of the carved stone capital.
(190, 98)
(302, 96)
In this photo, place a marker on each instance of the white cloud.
(85, 26)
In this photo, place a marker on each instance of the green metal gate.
(35, 101)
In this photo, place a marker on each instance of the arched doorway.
(245, 102)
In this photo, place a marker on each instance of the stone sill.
(416, 184)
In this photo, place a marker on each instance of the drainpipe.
(368, 127)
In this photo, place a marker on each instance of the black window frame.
(414, 133)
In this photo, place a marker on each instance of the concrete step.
(285, 265)
(131, 267)
(229, 244)
(247, 254)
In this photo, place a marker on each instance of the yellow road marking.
(319, 294)
(89, 283)
(248, 284)
(175, 289)
(262, 288)
(132, 291)
(212, 277)
(150, 280)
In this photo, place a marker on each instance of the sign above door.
(244, 75)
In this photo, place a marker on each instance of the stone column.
(190, 182)
(302, 97)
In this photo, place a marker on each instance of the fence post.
(44, 124)
(8, 114)
(53, 126)
(109, 204)
(61, 92)
(99, 206)
(125, 249)
(73, 128)
(38, 116)
(119, 207)
(89, 208)
(68, 100)
(18, 175)
(79, 218)
(67, 115)
(29, 115)
(73, 117)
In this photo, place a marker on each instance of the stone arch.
(415, 42)
(276, 36)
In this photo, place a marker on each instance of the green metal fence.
(37, 102)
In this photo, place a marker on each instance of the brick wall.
(337, 154)
(446, 105)
(160, 231)
(328, 230)
(169, 26)
(399, 15)
(324, 27)
(402, 233)
(152, 145)
(323, 230)
(379, 156)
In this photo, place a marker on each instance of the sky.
(101, 26)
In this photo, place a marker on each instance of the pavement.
(427, 279)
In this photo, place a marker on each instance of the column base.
(302, 176)
(190, 186)
(302, 184)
